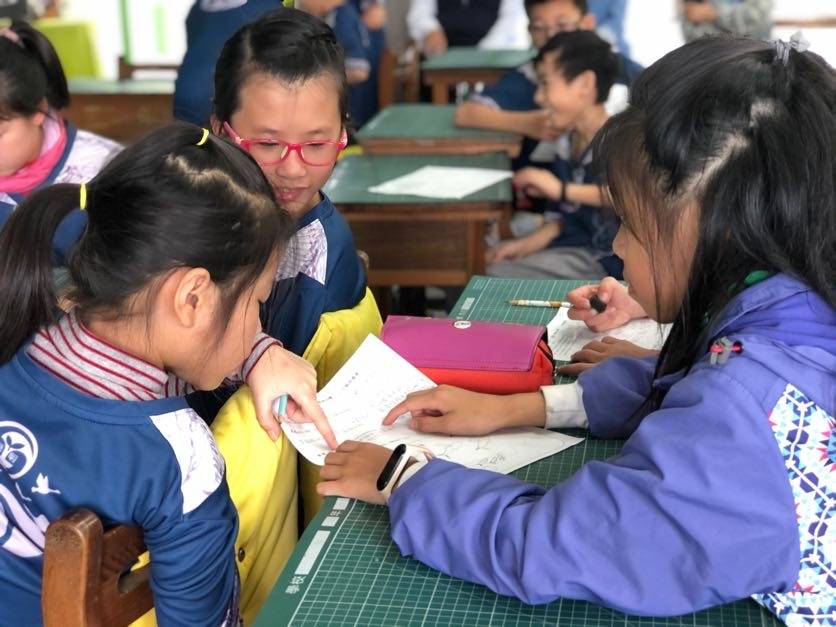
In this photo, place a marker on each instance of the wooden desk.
(412, 240)
(422, 129)
(468, 65)
(120, 110)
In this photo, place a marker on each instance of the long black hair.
(30, 72)
(575, 52)
(732, 127)
(287, 44)
(163, 203)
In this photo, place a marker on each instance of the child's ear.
(39, 117)
(194, 296)
(215, 123)
(588, 83)
(587, 22)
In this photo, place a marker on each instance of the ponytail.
(28, 299)
(30, 72)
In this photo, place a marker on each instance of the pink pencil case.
(492, 357)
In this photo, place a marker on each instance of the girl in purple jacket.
(722, 171)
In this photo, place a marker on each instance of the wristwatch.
(394, 468)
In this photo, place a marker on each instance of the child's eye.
(270, 147)
(317, 147)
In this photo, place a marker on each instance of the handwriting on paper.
(373, 381)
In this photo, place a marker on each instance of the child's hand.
(281, 372)
(508, 249)
(699, 12)
(435, 43)
(595, 352)
(374, 17)
(621, 308)
(539, 126)
(352, 470)
(453, 411)
(537, 183)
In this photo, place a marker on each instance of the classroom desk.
(423, 129)
(412, 240)
(468, 65)
(347, 571)
(121, 110)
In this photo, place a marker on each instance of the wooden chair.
(86, 579)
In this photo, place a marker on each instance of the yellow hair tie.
(82, 196)
(204, 138)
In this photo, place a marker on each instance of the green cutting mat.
(347, 571)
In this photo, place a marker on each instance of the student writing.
(722, 172)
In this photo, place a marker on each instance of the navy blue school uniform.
(592, 228)
(357, 43)
(363, 103)
(208, 26)
(145, 461)
(465, 24)
(515, 92)
(320, 272)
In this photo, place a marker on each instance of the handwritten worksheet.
(436, 181)
(376, 379)
(567, 337)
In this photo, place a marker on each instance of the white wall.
(652, 27)
(148, 43)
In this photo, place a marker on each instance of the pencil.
(554, 304)
(596, 303)
(280, 406)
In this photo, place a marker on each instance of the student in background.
(509, 105)
(609, 18)
(362, 98)
(344, 19)
(38, 147)
(575, 72)
(725, 486)
(281, 95)
(90, 401)
(436, 25)
(209, 24)
(752, 18)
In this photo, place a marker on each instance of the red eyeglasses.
(273, 151)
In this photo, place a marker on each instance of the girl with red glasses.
(281, 95)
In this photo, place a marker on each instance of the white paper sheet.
(373, 381)
(567, 337)
(434, 181)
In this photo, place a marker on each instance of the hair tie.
(82, 196)
(12, 36)
(782, 48)
(204, 137)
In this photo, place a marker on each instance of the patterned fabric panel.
(806, 435)
(306, 253)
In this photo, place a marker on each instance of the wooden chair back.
(87, 581)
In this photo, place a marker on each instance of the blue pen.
(280, 406)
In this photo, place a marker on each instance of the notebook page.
(373, 381)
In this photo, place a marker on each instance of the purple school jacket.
(709, 501)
